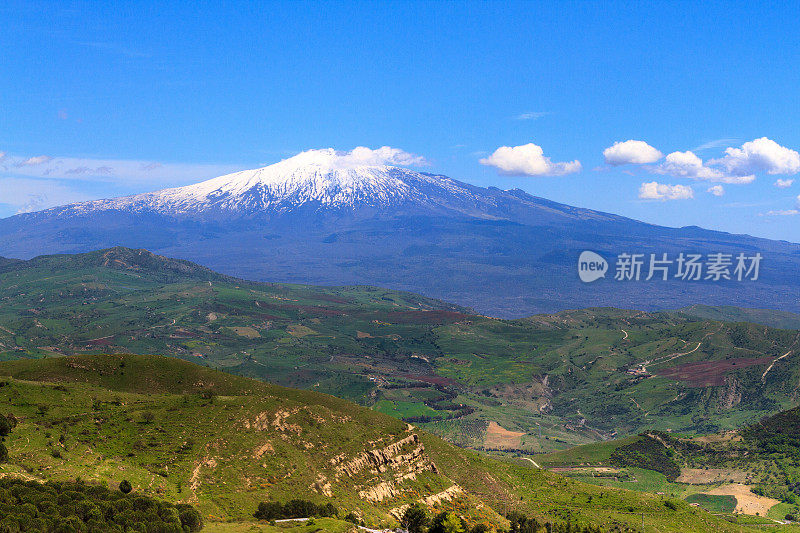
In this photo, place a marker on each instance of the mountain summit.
(326, 217)
(314, 181)
(320, 179)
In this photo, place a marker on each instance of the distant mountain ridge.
(313, 219)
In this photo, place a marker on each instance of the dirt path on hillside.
(667, 358)
(787, 354)
(534, 463)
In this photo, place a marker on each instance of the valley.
(524, 391)
(194, 435)
(552, 381)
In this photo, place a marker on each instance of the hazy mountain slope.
(310, 220)
(224, 443)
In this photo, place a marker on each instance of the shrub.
(125, 486)
(269, 511)
(415, 519)
(293, 509)
(80, 507)
(190, 517)
(353, 518)
(648, 453)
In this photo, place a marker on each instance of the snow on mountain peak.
(323, 179)
(323, 176)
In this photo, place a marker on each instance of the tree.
(125, 486)
(190, 517)
(5, 427)
(3, 453)
(447, 522)
(269, 511)
(452, 524)
(415, 519)
(353, 518)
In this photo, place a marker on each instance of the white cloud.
(689, 165)
(759, 155)
(527, 160)
(663, 192)
(631, 152)
(787, 212)
(385, 155)
(35, 161)
(2, 155)
(737, 166)
(24, 195)
(784, 183)
(532, 115)
(717, 190)
(716, 143)
(120, 171)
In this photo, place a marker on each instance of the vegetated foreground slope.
(186, 433)
(541, 383)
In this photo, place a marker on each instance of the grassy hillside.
(767, 317)
(186, 433)
(539, 384)
(755, 470)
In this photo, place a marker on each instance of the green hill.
(185, 433)
(760, 463)
(543, 383)
(769, 317)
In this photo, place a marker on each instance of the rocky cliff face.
(382, 471)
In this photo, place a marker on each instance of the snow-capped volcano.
(327, 217)
(314, 180)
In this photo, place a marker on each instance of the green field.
(715, 504)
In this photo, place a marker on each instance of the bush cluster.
(294, 509)
(648, 453)
(416, 520)
(72, 507)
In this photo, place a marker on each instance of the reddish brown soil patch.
(710, 373)
(500, 437)
(418, 317)
(102, 341)
(330, 299)
(436, 380)
(312, 310)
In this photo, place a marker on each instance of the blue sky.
(102, 99)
